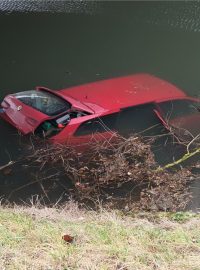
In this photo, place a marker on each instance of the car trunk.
(21, 116)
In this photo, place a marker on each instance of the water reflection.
(52, 6)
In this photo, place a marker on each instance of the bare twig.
(10, 163)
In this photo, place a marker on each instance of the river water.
(62, 43)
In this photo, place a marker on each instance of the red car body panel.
(124, 91)
(97, 99)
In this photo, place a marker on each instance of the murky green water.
(62, 43)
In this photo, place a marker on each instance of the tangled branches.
(123, 173)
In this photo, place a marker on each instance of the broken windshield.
(44, 102)
(178, 108)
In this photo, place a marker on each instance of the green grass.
(31, 238)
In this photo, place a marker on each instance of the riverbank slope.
(101, 240)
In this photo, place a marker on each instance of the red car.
(94, 110)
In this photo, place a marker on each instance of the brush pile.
(122, 174)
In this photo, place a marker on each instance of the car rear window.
(44, 102)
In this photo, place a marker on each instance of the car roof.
(124, 91)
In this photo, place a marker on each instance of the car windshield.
(43, 101)
(178, 108)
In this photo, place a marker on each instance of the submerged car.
(95, 110)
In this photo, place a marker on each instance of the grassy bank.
(31, 238)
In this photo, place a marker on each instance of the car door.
(182, 116)
(94, 131)
(138, 119)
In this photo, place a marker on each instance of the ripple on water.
(70, 6)
(184, 14)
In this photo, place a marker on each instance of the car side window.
(172, 109)
(137, 119)
(97, 125)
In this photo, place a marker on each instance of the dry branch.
(106, 169)
(10, 163)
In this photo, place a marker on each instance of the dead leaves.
(104, 170)
(68, 238)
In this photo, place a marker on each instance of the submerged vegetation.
(125, 167)
(122, 174)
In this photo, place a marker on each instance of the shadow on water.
(62, 43)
